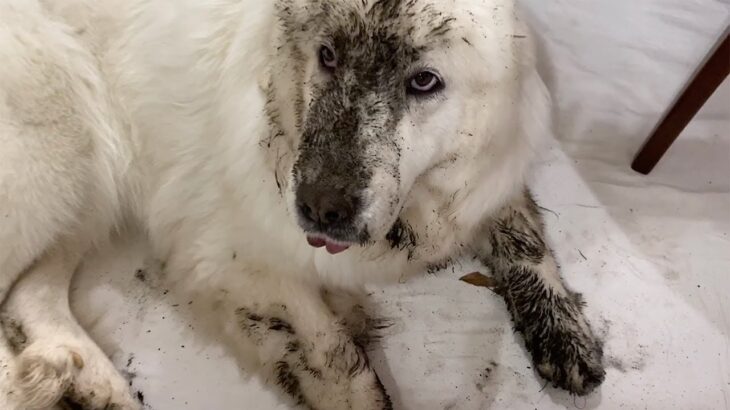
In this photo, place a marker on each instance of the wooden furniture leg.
(700, 88)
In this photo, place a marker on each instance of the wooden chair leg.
(700, 88)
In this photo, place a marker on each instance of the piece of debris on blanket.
(481, 280)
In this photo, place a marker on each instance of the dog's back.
(60, 152)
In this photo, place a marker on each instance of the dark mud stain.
(14, 334)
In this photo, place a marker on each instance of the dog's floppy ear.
(535, 110)
(535, 105)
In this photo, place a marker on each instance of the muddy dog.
(279, 155)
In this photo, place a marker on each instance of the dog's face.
(374, 95)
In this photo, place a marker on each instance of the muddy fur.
(548, 315)
(14, 333)
(293, 371)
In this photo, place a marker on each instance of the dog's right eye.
(327, 58)
(424, 82)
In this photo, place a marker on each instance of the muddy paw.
(571, 362)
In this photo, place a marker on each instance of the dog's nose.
(324, 206)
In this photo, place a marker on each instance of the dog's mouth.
(331, 245)
(396, 236)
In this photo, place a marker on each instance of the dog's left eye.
(327, 58)
(424, 82)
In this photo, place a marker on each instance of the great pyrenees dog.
(279, 155)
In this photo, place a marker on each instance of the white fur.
(151, 112)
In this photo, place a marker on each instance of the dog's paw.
(330, 379)
(346, 370)
(46, 374)
(43, 375)
(368, 393)
(571, 361)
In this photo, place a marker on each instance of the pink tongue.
(333, 248)
(316, 242)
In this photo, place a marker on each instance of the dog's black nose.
(324, 206)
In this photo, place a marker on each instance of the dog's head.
(374, 95)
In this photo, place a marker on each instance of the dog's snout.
(325, 206)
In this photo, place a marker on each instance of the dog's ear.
(535, 103)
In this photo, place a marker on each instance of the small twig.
(581, 254)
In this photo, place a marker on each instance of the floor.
(650, 253)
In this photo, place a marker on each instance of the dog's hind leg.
(57, 167)
(60, 153)
(549, 315)
(56, 358)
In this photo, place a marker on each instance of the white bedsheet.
(650, 253)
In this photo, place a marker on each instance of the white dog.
(242, 135)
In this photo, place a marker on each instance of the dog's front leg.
(549, 315)
(282, 328)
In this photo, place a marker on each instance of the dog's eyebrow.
(441, 27)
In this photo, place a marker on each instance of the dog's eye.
(425, 82)
(327, 58)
